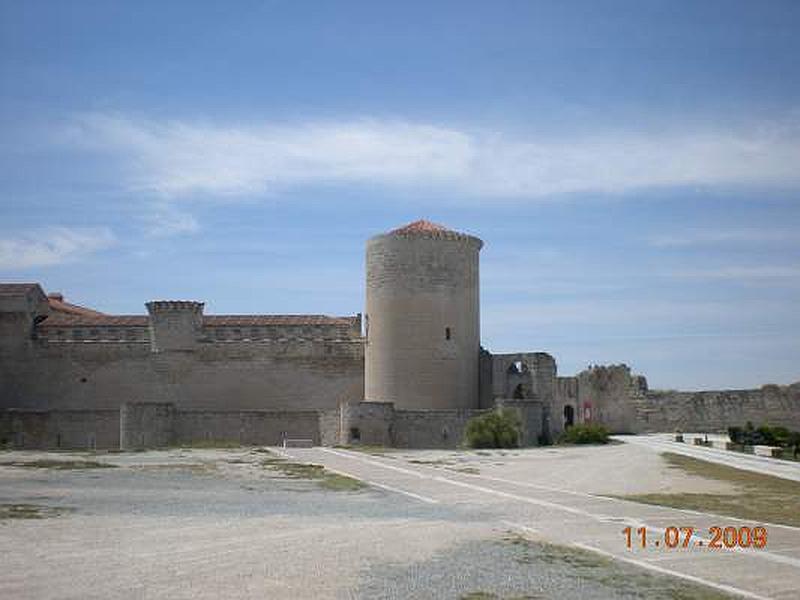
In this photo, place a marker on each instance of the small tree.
(588, 433)
(493, 430)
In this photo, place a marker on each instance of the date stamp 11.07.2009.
(688, 538)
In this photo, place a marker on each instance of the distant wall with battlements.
(621, 401)
(50, 359)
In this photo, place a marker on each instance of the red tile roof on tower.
(426, 229)
(422, 226)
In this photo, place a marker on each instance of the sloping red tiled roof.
(62, 319)
(260, 320)
(57, 304)
(422, 226)
(101, 320)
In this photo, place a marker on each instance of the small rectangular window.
(447, 333)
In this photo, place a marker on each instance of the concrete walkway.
(661, 442)
(589, 522)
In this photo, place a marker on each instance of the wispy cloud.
(743, 273)
(164, 219)
(52, 246)
(181, 158)
(710, 237)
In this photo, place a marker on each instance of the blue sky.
(633, 167)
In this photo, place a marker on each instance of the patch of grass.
(200, 468)
(31, 511)
(439, 462)
(625, 580)
(318, 473)
(759, 498)
(46, 463)
(467, 470)
(210, 444)
(480, 595)
(368, 449)
(340, 483)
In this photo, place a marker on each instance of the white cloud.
(175, 158)
(713, 237)
(52, 246)
(166, 220)
(743, 273)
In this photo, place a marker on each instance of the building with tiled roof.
(58, 354)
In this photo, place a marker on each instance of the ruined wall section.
(610, 395)
(523, 376)
(621, 401)
(565, 395)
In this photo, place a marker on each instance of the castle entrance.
(569, 416)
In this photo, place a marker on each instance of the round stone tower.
(423, 318)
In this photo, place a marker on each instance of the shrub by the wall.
(588, 433)
(763, 435)
(493, 430)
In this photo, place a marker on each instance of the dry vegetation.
(760, 498)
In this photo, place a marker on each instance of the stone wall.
(432, 428)
(621, 401)
(296, 374)
(532, 419)
(718, 410)
(248, 428)
(381, 424)
(146, 425)
(610, 395)
(60, 429)
(523, 375)
(565, 397)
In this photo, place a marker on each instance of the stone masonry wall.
(622, 402)
(717, 410)
(296, 374)
(248, 428)
(59, 429)
(380, 423)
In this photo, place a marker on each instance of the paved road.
(759, 464)
(587, 521)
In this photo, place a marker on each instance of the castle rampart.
(73, 377)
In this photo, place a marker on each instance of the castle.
(410, 373)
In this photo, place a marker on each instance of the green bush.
(493, 430)
(585, 434)
(766, 435)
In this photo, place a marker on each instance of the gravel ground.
(612, 469)
(219, 524)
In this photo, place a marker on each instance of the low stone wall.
(717, 410)
(380, 424)
(247, 427)
(431, 428)
(60, 429)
